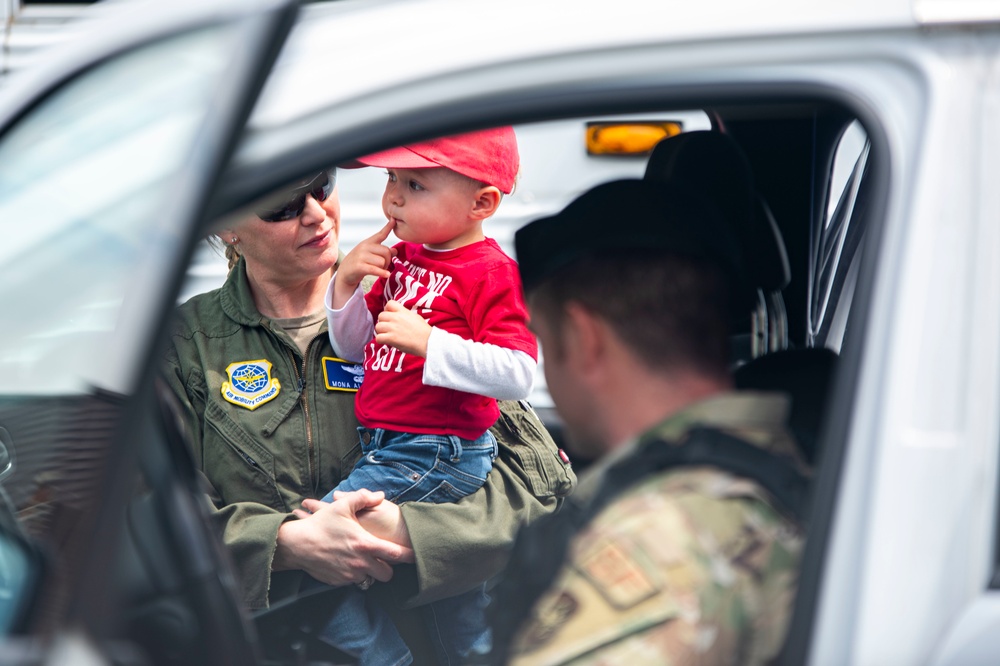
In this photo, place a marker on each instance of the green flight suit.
(294, 438)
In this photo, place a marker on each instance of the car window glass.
(853, 143)
(555, 168)
(84, 181)
(832, 255)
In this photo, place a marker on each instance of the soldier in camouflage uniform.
(627, 289)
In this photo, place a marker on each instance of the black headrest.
(805, 375)
(632, 216)
(712, 163)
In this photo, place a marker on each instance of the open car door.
(107, 153)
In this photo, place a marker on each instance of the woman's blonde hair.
(227, 250)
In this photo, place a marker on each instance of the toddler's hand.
(382, 520)
(403, 329)
(369, 257)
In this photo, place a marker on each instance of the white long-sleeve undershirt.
(452, 361)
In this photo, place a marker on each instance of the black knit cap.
(633, 215)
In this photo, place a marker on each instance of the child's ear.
(487, 200)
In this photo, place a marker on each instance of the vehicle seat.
(806, 375)
(713, 163)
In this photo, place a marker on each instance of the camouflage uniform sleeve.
(670, 575)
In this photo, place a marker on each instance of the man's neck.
(652, 398)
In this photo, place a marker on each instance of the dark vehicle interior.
(803, 242)
(170, 597)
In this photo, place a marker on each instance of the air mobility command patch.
(341, 375)
(250, 384)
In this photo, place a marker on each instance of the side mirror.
(21, 564)
(6, 454)
(20, 569)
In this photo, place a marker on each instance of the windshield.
(83, 181)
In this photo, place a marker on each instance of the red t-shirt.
(472, 291)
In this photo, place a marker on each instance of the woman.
(270, 414)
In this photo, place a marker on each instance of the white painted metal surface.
(30, 29)
(912, 549)
(554, 27)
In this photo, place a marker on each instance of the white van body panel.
(907, 571)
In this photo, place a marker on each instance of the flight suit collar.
(237, 299)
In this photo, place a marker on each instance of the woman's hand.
(331, 545)
(403, 329)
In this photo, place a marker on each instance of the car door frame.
(465, 107)
(93, 611)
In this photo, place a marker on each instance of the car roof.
(333, 69)
(333, 42)
(331, 36)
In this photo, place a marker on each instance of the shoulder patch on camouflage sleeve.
(551, 615)
(619, 578)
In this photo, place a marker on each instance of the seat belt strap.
(540, 548)
(712, 448)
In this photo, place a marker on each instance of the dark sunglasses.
(291, 204)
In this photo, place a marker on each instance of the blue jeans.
(411, 467)
(415, 468)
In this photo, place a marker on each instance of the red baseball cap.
(489, 156)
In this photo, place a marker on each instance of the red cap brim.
(397, 158)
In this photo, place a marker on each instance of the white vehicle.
(870, 128)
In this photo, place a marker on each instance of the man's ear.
(587, 340)
(487, 200)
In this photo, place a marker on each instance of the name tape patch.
(341, 375)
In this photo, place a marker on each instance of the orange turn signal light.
(628, 138)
